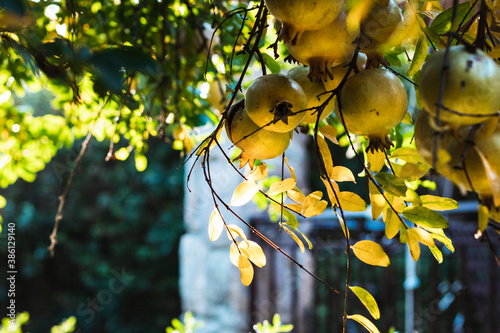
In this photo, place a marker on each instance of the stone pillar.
(210, 285)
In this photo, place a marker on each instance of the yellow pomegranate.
(322, 49)
(255, 142)
(275, 102)
(377, 27)
(373, 102)
(298, 16)
(472, 86)
(314, 91)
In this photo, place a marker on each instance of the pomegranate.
(275, 102)
(472, 85)
(373, 102)
(255, 142)
(298, 16)
(324, 48)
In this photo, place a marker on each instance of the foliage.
(188, 325)
(15, 326)
(275, 327)
(125, 72)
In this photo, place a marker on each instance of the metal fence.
(459, 295)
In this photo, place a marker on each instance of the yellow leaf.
(330, 133)
(244, 192)
(392, 223)
(377, 200)
(343, 225)
(413, 245)
(365, 322)
(422, 236)
(438, 234)
(315, 210)
(483, 217)
(296, 195)
(407, 119)
(211, 140)
(493, 177)
(292, 170)
(296, 239)
(254, 252)
(412, 171)
(325, 155)
(351, 202)
(246, 270)
(233, 231)
(3, 202)
(329, 184)
(215, 225)
(234, 254)
(295, 207)
(436, 252)
(342, 174)
(370, 253)
(356, 14)
(122, 154)
(431, 9)
(281, 186)
(376, 160)
(438, 203)
(259, 172)
(368, 301)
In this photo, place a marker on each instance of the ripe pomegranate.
(255, 142)
(373, 102)
(459, 161)
(324, 48)
(298, 16)
(275, 102)
(314, 90)
(377, 28)
(472, 85)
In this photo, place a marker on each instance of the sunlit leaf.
(425, 217)
(391, 183)
(376, 160)
(306, 239)
(234, 254)
(331, 188)
(368, 301)
(492, 176)
(377, 200)
(411, 171)
(259, 173)
(392, 223)
(438, 203)
(296, 195)
(325, 155)
(244, 192)
(413, 245)
(431, 9)
(246, 270)
(295, 207)
(254, 252)
(295, 238)
(234, 231)
(434, 37)
(422, 236)
(210, 142)
(370, 327)
(412, 196)
(438, 234)
(419, 55)
(340, 218)
(483, 217)
(357, 12)
(313, 206)
(330, 133)
(351, 201)
(122, 154)
(407, 119)
(271, 63)
(436, 252)
(371, 253)
(291, 219)
(292, 170)
(141, 162)
(342, 174)
(215, 225)
(407, 154)
(281, 186)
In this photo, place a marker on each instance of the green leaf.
(368, 301)
(419, 55)
(370, 253)
(392, 183)
(443, 24)
(272, 64)
(425, 217)
(370, 327)
(434, 37)
(438, 203)
(437, 253)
